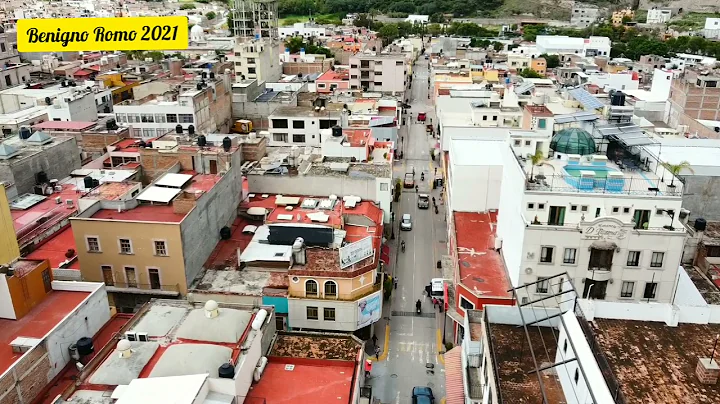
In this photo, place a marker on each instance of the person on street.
(374, 340)
(395, 281)
(416, 189)
(377, 352)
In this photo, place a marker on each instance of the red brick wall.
(27, 379)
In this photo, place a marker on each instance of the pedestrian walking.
(377, 352)
(395, 281)
(374, 340)
(435, 170)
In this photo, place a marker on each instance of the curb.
(386, 345)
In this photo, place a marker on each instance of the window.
(546, 255)
(160, 247)
(130, 278)
(147, 118)
(484, 117)
(148, 133)
(298, 138)
(569, 255)
(321, 85)
(541, 206)
(154, 276)
(573, 208)
(312, 313)
(626, 210)
(531, 206)
(633, 258)
(331, 289)
(378, 73)
(298, 124)
(399, 63)
(160, 118)
(517, 143)
(279, 123)
(542, 286)
(47, 280)
(8, 80)
(541, 123)
(556, 217)
(656, 261)
(627, 289)
(329, 314)
(650, 290)
(528, 143)
(251, 70)
(107, 275)
(311, 288)
(327, 123)
(466, 304)
(280, 137)
(93, 244)
(185, 118)
(600, 259)
(251, 60)
(616, 209)
(171, 118)
(125, 246)
(383, 186)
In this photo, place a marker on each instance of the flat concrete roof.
(189, 359)
(227, 327)
(116, 371)
(159, 320)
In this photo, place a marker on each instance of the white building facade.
(378, 73)
(257, 59)
(301, 126)
(558, 44)
(712, 28)
(304, 30)
(658, 16)
(582, 16)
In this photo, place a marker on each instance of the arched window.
(311, 288)
(331, 289)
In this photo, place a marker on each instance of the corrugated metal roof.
(454, 388)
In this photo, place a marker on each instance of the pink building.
(332, 80)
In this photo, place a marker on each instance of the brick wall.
(156, 164)
(27, 378)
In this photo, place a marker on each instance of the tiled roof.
(454, 388)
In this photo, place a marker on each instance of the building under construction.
(255, 18)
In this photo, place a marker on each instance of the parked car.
(423, 201)
(422, 395)
(409, 181)
(406, 222)
(422, 116)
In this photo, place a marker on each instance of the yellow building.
(539, 65)
(619, 15)
(9, 249)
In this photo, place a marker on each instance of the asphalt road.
(413, 358)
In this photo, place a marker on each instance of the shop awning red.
(385, 254)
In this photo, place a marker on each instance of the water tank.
(700, 224)
(178, 129)
(48, 101)
(618, 99)
(226, 371)
(85, 346)
(25, 133)
(111, 124)
(337, 131)
(96, 183)
(41, 177)
(87, 182)
(212, 75)
(191, 130)
(204, 75)
(259, 319)
(199, 86)
(202, 141)
(225, 233)
(227, 143)
(142, 144)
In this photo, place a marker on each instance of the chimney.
(707, 371)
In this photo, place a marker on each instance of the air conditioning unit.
(142, 336)
(131, 336)
(69, 203)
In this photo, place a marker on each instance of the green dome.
(573, 141)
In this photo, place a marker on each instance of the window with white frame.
(311, 288)
(466, 304)
(160, 247)
(125, 246)
(569, 255)
(656, 261)
(627, 289)
(329, 313)
(633, 259)
(93, 244)
(280, 137)
(330, 289)
(543, 285)
(546, 255)
(312, 313)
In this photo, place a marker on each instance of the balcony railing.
(144, 288)
(340, 296)
(602, 361)
(628, 185)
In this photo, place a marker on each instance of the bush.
(210, 15)
(387, 287)
(398, 190)
(187, 6)
(398, 14)
(448, 346)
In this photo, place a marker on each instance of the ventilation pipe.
(211, 309)
(298, 249)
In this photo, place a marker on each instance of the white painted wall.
(6, 306)
(590, 377)
(85, 321)
(246, 364)
(346, 314)
(511, 222)
(475, 188)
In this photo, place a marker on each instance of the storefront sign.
(605, 230)
(356, 252)
(369, 309)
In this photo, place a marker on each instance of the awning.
(603, 245)
(385, 255)
(454, 387)
(256, 211)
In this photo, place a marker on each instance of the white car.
(406, 222)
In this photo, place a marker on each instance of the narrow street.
(412, 357)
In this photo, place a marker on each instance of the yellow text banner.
(102, 34)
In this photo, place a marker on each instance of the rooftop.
(482, 270)
(142, 213)
(55, 248)
(311, 346)
(514, 364)
(224, 256)
(37, 323)
(287, 382)
(65, 125)
(244, 282)
(332, 112)
(632, 349)
(33, 214)
(332, 75)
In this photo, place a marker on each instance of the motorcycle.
(422, 176)
(402, 246)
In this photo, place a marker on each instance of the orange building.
(539, 65)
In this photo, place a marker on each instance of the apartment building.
(152, 241)
(539, 65)
(585, 47)
(206, 107)
(379, 73)
(14, 72)
(301, 125)
(712, 28)
(517, 62)
(619, 15)
(584, 15)
(305, 30)
(694, 95)
(257, 59)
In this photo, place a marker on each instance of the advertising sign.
(605, 230)
(102, 34)
(356, 252)
(369, 309)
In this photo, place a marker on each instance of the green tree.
(210, 15)
(551, 61)
(294, 44)
(437, 18)
(363, 20)
(187, 6)
(536, 159)
(498, 46)
(389, 32)
(230, 25)
(676, 169)
(434, 29)
(530, 74)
